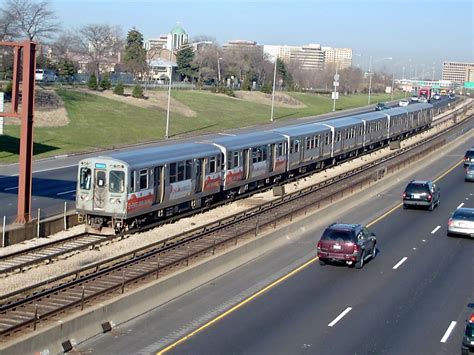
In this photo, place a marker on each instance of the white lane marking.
(41, 171)
(435, 230)
(423, 240)
(448, 332)
(66, 192)
(400, 263)
(462, 204)
(339, 317)
(11, 188)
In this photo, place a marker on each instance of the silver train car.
(126, 189)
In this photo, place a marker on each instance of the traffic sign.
(336, 77)
(336, 83)
(334, 95)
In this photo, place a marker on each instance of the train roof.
(165, 154)
(246, 140)
(342, 122)
(395, 111)
(418, 106)
(371, 116)
(300, 130)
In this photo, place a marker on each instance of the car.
(421, 193)
(351, 244)
(468, 338)
(452, 96)
(403, 102)
(381, 106)
(423, 99)
(469, 176)
(461, 222)
(437, 96)
(414, 98)
(469, 157)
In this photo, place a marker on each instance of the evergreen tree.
(267, 88)
(245, 85)
(135, 53)
(184, 59)
(137, 92)
(118, 90)
(66, 68)
(105, 83)
(92, 82)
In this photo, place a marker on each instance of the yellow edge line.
(275, 283)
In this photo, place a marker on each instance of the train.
(127, 189)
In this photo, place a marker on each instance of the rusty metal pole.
(16, 78)
(26, 140)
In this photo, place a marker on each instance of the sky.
(416, 34)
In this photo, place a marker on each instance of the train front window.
(116, 181)
(85, 179)
(100, 178)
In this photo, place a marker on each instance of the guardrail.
(45, 223)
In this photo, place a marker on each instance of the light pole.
(274, 81)
(169, 101)
(219, 70)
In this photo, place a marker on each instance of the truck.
(426, 92)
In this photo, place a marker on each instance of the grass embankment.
(98, 123)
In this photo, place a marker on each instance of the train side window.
(308, 143)
(264, 152)
(85, 179)
(180, 171)
(189, 165)
(116, 181)
(296, 146)
(235, 159)
(326, 139)
(143, 179)
(132, 181)
(212, 165)
(338, 136)
(172, 173)
(254, 154)
(280, 149)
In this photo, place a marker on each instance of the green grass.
(99, 123)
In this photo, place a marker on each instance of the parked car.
(421, 194)
(462, 222)
(469, 172)
(414, 98)
(346, 243)
(403, 103)
(468, 338)
(469, 157)
(381, 106)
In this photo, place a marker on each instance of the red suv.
(349, 243)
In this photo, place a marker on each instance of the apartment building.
(340, 56)
(307, 57)
(457, 72)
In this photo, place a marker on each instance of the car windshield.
(338, 235)
(416, 188)
(470, 330)
(464, 215)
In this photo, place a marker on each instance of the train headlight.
(85, 197)
(112, 200)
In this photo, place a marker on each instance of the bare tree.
(8, 26)
(206, 61)
(98, 42)
(63, 45)
(33, 20)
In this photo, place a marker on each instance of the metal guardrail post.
(65, 218)
(157, 269)
(38, 226)
(3, 231)
(82, 298)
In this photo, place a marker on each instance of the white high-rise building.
(340, 56)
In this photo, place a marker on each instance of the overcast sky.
(422, 32)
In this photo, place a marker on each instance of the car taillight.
(319, 246)
(450, 222)
(356, 248)
(404, 195)
(429, 197)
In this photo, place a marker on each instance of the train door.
(271, 158)
(199, 166)
(246, 163)
(100, 189)
(158, 180)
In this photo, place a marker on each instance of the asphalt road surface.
(413, 298)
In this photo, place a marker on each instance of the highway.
(54, 179)
(413, 298)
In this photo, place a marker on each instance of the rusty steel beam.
(16, 78)
(26, 139)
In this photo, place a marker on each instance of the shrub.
(246, 85)
(137, 92)
(223, 90)
(105, 82)
(8, 88)
(92, 82)
(267, 88)
(118, 90)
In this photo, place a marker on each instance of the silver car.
(469, 172)
(462, 222)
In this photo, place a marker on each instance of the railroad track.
(31, 307)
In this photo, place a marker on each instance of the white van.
(39, 75)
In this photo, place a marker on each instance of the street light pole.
(370, 79)
(274, 81)
(219, 70)
(169, 101)
(393, 77)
